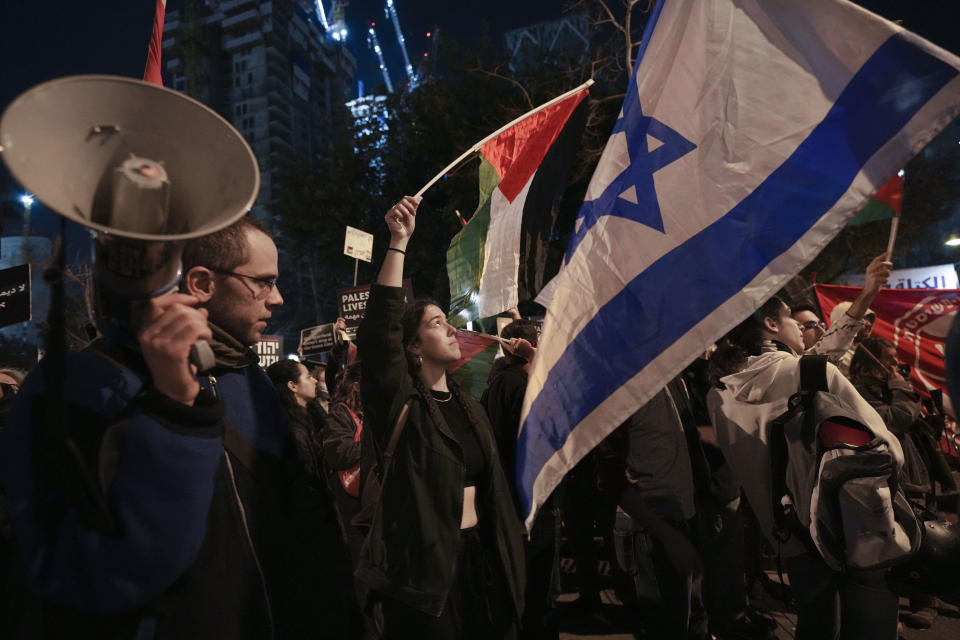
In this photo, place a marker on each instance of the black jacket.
(411, 550)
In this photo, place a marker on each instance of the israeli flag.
(751, 131)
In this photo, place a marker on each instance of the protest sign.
(15, 295)
(269, 350)
(358, 244)
(352, 304)
(316, 340)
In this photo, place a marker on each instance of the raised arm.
(401, 220)
(385, 383)
(878, 272)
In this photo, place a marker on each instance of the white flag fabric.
(750, 132)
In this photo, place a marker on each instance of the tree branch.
(496, 74)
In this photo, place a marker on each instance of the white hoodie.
(753, 398)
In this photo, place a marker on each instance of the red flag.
(152, 72)
(916, 321)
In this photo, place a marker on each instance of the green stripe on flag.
(465, 257)
(873, 211)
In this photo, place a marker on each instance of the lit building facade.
(267, 67)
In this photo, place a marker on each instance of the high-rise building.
(267, 67)
(371, 116)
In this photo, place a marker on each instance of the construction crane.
(375, 45)
(338, 24)
(391, 11)
(323, 16)
(336, 28)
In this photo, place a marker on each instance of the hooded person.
(756, 370)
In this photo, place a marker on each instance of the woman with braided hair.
(444, 553)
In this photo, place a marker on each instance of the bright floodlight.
(26, 199)
(953, 241)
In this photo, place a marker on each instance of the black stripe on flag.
(542, 206)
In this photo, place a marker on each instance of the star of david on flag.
(632, 194)
(750, 133)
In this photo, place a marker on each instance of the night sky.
(45, 39)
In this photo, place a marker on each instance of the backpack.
(835, 485)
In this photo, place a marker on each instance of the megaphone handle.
(201, 356)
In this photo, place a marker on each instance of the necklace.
(447, 399)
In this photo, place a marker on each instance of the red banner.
(916, 321)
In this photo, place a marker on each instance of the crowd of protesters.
(373, 498)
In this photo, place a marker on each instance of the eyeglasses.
(267, 284)
(813, 324)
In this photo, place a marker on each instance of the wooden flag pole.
(894, 223)
(473, 149)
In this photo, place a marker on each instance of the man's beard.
(223, 315)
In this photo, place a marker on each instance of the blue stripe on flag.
(897, 80)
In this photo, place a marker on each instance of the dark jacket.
(339, 448)
(340, 452)
(411, 550)
(215, 528)
(899, 406)
(503, 401)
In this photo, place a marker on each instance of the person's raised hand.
(401, 219)
(169, 327)
(877, 274)
(520, 347)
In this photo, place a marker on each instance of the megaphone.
(143, 166)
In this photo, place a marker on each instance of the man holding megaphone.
(213, 528)
(150, 499)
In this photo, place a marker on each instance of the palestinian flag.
(886, 203)
(153, 71)
(499, 257)
(477, 353)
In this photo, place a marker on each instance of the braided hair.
(410, 323)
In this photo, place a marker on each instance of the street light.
(27, 201)
(953, 240)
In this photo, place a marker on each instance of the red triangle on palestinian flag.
(471, 344)
(517, 152)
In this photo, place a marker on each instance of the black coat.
(411, 550)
